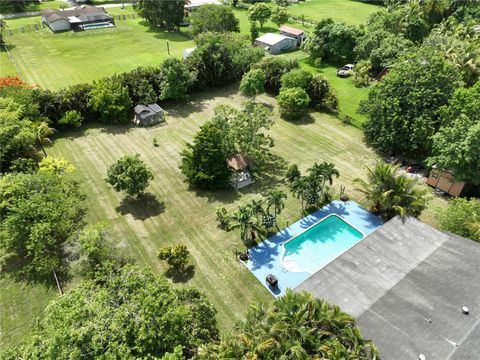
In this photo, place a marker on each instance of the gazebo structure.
(242, 166)
(147, 115)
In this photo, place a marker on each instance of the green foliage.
(403, 109)
(293, 103)
(275, 200)
(177, 256)
(163, 13)
(331, 40)
(292, 173)
(110, 99)
(71, 119)
(391, 194)
(222, 217)
(322, 96)
(462, 217)
(127, 313)
(296, 78)
(456, 146)
(247, 220)
(213, 18)
(253, 31)
(259, 12)
(139, 85)
(175, 79)
(295, 326)
(17, 133)
(362, 75)
(39, 213)
(129, 174)
(252, 83)
(204, 162)
(274, 68)
(279, 15)
(55, 165)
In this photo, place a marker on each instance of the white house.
(276, 43)
(80, 18)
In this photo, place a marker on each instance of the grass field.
(8, 69)
(57, 60)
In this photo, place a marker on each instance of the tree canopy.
(259, 12)
(295, 326)
(403, 109)
(127, 313)
(279, 15)
(110, 99)
(39, 212)
(461, 217)
(252, 83)
(163, 13)
(274, 68)
(456, 145)
(293, 103)
(129, 174)
(175, 79)
(213, 18)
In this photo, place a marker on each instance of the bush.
(462, 217)
(292, 173)
(252, 83)
(111, 100)
(129, 174)
(299, 78)
(330, 102)
(223, 217)
(176, 256)
(71, 119)
(317, 89)
(293, 103)
(274, 68)
(361, 76)
(175, 79)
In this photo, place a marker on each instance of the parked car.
(345, 71)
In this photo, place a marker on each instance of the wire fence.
(38, 26)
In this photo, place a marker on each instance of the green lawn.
(348, 11)
(57, 60)
(8, 69)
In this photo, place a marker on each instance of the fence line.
(14, 63)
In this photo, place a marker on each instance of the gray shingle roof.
(406, 284)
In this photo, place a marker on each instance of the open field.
(57, 60)
(8, 69)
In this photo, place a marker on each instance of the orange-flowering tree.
(12, 81)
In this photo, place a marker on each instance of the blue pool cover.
(267, 257)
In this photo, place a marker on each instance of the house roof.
(54, 15)
(406, 283)
(291, 30)
(272, 39)
(239, 162)
(147, 110)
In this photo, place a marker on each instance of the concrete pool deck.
(266, 257)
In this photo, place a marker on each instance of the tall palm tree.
(276, 199)
(257, 208)
(43, 133)
(300, 188)
(245, 220)
(390, 194)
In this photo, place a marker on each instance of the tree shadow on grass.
(180, 275)
(306, 119)
(141, 208)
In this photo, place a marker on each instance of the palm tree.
(300, 188)
(245, 220)
(324, 172)
(276, 199)
(43, 133)
(390, 194)
(257, 208)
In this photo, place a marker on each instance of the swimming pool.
(319, 244)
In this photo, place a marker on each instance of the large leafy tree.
(293, 103)
(128, 313)
(274, 68)
(391, 194)
(17, 133)
(462, 217)
(162, 13)
(39, 213)
(213, 18)
(252, 83)
(295, 326)
(279, 15)
(331, 40)
(259, 12)
(403, 110)
(204, 162)
(175, 79)
(129, 174)
(300, 78)
(110, 99)
(456, 146)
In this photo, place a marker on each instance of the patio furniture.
(272, 280)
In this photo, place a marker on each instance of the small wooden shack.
(444, 181)
(241, 165)
(147, 115)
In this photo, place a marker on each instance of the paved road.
(36, 13)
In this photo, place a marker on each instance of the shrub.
(176, 256)
(292, 173)
(462, 217)
(252, 83)
(129, 174)
(330, 102)
(71, 119)
(175, 79)
(317, 90)
(361, 76)
(111, 100)
(223, 217)
(299, 78)
(293, 103)
(274, 68)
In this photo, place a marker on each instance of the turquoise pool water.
(319, 245)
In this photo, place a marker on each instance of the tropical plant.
(296, 78)
(223, 217)
(276, 200)
(55, 165)
(323, 173)
(462, 217)
(246, 221)
(44, 132)
(292, 173)
(109, 98)
(392, 194)
(129, 174)
(301, 187)
(71, 119)
(176, 256)
(294, 326)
